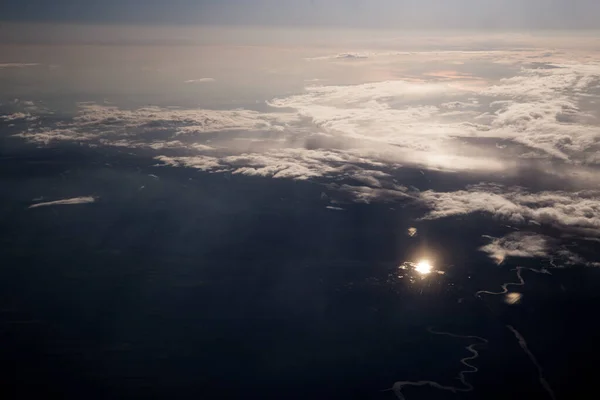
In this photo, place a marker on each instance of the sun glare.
(423, 267)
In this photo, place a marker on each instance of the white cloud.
(112, 126)
(354, 132)
(365, 95)
(454, 105)
(17, 116)
(185, 121)
(294, 164)
(297, 164)
(203, 163)
(380, 119)
(391, 122)
(201, 80)
(17, 65)
(456, 57)
(533, 245)
(175, 144)
(518, 244)
(72, 201)
(544, 113)
(570, 258)
(342, 56)
(366, 195)
(302, 164)
(578, 211)
(46, 136)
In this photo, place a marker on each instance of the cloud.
(184, 121)
(201, 80)
(341, 56)
(351, 56)
(203, 163)
(383, 120)
(534, 245)
(17, 65)
(503, 50)
(109, 125)
(570, 258)
(366, 195)
(394, 122)
(358, 135)
(457, 105)
(175, 130)
(296, 164)
(73, 201)
(303, 164)
(518, 244)
(46, 136)
(173, 144)
(576, 211)
(544, 113)
(17, 116)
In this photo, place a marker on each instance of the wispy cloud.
(366, 194)
(296, 164)
(17, 65)
(17, 116)
(66, 202)
(342, 56)
(203, 163)
(201, 80)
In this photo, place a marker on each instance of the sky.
(398, 14)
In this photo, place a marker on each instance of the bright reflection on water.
(424, 267)
(513, 298)
(418, 270)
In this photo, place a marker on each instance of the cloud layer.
(433, 122)
(489, 113)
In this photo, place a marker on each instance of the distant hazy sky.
(419, 14)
